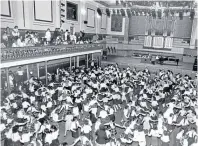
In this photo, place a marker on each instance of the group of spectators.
(13, 38)
(61, 37)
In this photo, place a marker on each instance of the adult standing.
(15, 33)
(20, 74)
(75, 128)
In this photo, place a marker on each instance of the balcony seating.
(9, 54)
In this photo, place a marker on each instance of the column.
(74, 62)
(100, 58)
(126, 30)
(77, 61)
(193, 37)
(28, 74)
(46, 80)
(87, 60)
(8, 82)
(70, 63)
(91, 56)
(38, 73)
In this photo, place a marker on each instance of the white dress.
(146, 124)
(68, 122)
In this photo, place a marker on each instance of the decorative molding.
(94, 18)
(9, 7)
(40, 19)
(102, 21)
(23, 13)
(47, 58)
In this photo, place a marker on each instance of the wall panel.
(183, 28)
(5, 8)
(43, 14)
(137, 25)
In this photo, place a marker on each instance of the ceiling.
(172, 3)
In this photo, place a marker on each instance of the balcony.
(26, 55)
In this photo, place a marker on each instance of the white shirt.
(128, 131)
(75, 111)
(26, 137)
(2, 127)
(86, 129)
(179, 135)
(165, 138)
(66, 33)
(185, 142)
(97, 125)
(25, 104)
(48, 138)
(16, 137)
(139, 136)
(154, 133)
(55, 117)
(94, 111)
(49, 104)
(103, 114)
(74, 125)
(48, 35)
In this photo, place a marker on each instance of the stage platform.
(184, 68)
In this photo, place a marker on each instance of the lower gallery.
(99, 73)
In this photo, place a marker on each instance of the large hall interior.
(99, 73)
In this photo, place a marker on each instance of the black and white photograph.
(99, 73)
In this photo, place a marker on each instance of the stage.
(183, 67)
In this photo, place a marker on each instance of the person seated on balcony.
(86, 41)
(29, 41)
(20, 42)
(81, 37)
(157, 59)
(48, 36)
(5, 39)
(2, 45)
(95, 39)
(14, 44)
(8, 32)
(73, 38)
(55, 35)
(27, 33)
(66, 34)
(62, 34)
(15, 33)
(68, 38)
(36, 38)
(58, 40)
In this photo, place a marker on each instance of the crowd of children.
(104, 107)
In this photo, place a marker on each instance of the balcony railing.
(10, 54)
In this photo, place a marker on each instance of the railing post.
(46, 80)
(8, 82)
